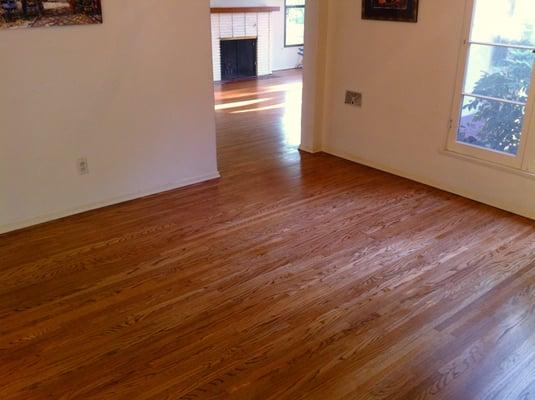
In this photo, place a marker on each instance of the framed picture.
(44, 13)
(390, 10)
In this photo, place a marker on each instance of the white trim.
(105, 203)
(510, 207)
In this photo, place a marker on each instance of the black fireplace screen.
(238, 59)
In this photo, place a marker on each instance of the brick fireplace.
(248, 23)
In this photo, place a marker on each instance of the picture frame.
(16, 14)
(390, 10)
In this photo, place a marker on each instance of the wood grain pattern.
(294, 276)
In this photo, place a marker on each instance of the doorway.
(258, 73)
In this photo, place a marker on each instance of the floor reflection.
(279, 97)
(291, 119)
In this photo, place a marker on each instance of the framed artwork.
(43, 13)
(390, 10)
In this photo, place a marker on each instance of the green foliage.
(500, 124)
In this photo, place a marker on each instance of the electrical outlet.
(353, 98)
(83, 166)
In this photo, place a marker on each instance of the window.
(494, 95)
(294, 26)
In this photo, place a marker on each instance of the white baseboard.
(108, 202)
(513, 208)
(310, 150)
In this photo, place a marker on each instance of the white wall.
(133, 95)
(406, 73)
(283, 57)
(314, 76)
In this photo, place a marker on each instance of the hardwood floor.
(295, 276)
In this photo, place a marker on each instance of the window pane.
(499, 72)
(491, 124)
(504, 22)
(295, 26)
(295, 2)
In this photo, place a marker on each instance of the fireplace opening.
(238, 59)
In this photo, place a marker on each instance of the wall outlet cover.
(353, 98)
(83, 166)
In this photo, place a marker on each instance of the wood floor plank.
(294, 276)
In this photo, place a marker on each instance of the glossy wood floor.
(295, 276)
